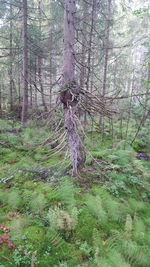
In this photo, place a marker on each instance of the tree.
(70, 94)
(25, 65)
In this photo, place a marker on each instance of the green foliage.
(57, 220)
(66, 192)
(95, 207)
(22, 256)
(62, 220)
(141, 145)
(38, 204)
(14, 199)
(32, 135)
(16, 228)
(141, 12)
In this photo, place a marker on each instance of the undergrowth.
(48, 218)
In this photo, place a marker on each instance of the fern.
(55, 239)
(16, 228)
(66, 192)
(14, 199)
(101, 154)
(138, 167)
(94, 204)
(62, 220)
(128, 226)
(111, 206)
(38, 204)
(27, 196)
(116, 259)
(140, 232)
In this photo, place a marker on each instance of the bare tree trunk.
(41, 84)
(90, 45)
(83, 54)
(106, 55)
(30, 81)
(146, 110)
(129, 109)
(19, 90)
(0, 99)
(83, 49)
(35, 90)
(40, 62)
(11, 61)
(50, 63)
(70, 93)
(25, 65)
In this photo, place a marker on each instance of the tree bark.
(11, 61)
(50, 65)
(25, 65)
(41, 84)
(0, 100)
(83, 48)
(90, 50)
(40, 62)
(106, 46)
(70, 93)
(93, 16)
(106, 56)
(30, 82)
(35, 81)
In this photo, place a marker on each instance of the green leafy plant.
(38, 204)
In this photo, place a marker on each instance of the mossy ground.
(48, 218)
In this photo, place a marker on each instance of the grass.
(98, 219)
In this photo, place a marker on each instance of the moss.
(122, 192)
(38, 204)
(84, 228)
(35, 234)
(30, 185)
(5, 256)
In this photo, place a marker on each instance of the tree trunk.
(50, 66)
(35, 90)
(40, 62)
(0, 100)
(90, 45)
(70, 93)
(30, 82)
(93, 16)
(41, 84)
(83, 49)
(106, 46)
(106, 56)
(11, 62)
(25, 65)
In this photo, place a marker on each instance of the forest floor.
(49, 219)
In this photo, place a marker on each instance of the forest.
(74, 133)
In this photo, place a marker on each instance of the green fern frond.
(139, 232)
(66, 191)
(94, 204)
(101, 154)
(27, 196)
(128, 226)
(55, 239)
(38, 204)
(138, 167)
(16, 228)
(116, 259)
(14, 199)
(111, 206)
(62, 220)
